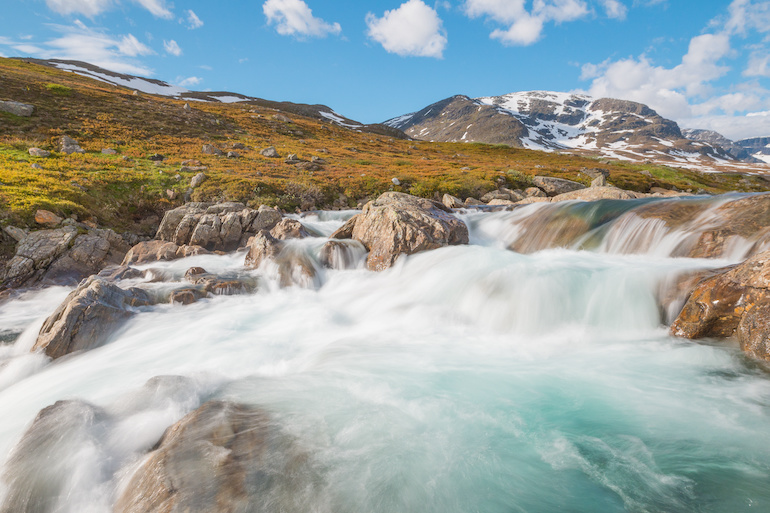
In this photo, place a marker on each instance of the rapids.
(465, 379)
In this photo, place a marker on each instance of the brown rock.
(47, 218)
(595, 193)
(397, 223)
(346, 230)
(156, 250)
(289, 229)
(450, 201)
(555, 186)
(186, 296)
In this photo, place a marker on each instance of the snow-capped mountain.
(758, 147)
(160, 88)
(552, 121)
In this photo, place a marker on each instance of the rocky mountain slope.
(551, 121)
(758, 147)
(716, 139)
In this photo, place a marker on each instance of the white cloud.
(193, 22)
(746, 15)
(525, 27)
(758, 66)
(295, 18)
(172, 48)
(413, 29)
(157, 8)
(81, 43)
(189, 81)
(88, 8)
(615, 9)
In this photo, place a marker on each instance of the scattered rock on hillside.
(733, 303)
(87, 317)
(69, 145)
(37, 152)
(159, 250)
(239, 146)
(36, 166)
(233, 155)
(292, 159)
(109, 151)
(210, 149)
(555, 186)
(397, 223)
(270, 152)
(599, 181)
(197, 180)
(157, 157)
(281, 118)
(47, 218)
(223, 457)
(17, 108)
(318, 160)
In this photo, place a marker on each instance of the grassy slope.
(131, 194)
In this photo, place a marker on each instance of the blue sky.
(705, 64)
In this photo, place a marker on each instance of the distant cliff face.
(758, 147)
(553, 121)
(717, 139)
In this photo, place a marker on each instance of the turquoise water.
(466, 379)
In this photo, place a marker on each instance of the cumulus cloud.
(82, 43)
(193, 22)
(524, 27)
(189, 81)
(615, 9)
(759, 65)
(172, 48)
(295, 18)
(413, 29)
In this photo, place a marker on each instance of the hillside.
(550, 121)
(130, 189)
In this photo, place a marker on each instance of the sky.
(702, 63)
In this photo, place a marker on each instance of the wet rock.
(270, 152)
(289, 229)
(222, 457)
(69, 145)
(47, 218)
(555, 186)
(733, 303)
(37, 152)
(24, 110)
(210, 149)
(397, 223)
(87, 317)
(337, 254)
(596, 193)
(346, 230)
(122, 272)
(290, 265)
(450, 201)
(186, 296)
(158, 250)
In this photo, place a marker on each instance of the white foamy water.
(463, 379)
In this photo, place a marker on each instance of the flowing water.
(465, 379)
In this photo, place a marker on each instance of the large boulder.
(399, 224)
(597, 193)
(733, 303)
(289, 229)
(17, 108)
(63, 256)
(555, 186)
(215, 227)
(223, 457)
(69, 145)
(158, 250)
(290, 265)
(87, 317)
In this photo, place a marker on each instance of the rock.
(395, 181)
(157, 157)
(186, 296)
(197, 180)
(187, 108)
(211, 283)
(735, 302)
(289, 229)
(222, 457)
(16, 233)
(338, 254)
(35, 253)
(318, 160)
(47, 218)
(122, 272)
(191, 163)
(500, 202)
(555, 186)
(307, 166)
(282, 118)
(346, 230)
(109, 151)
(37, 152)
(291, 267)
(36, 166)
(599, 181)
(87, 317)
(450, 201)
(192, 169)
(233, 155)
(240, 146)
(596, 193)
(270, 152)
(469, 202)
(534, 192)
(157, 250)
(171, 194)
(397, 223)
(210, 149)
(24, 110)
(292, 159)
(69, 145)
(507, 195)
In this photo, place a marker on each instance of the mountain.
(716, 139)
(758, 147)
(552, 121)
(160, 88)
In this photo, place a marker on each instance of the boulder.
(109, 151)
(735, 302)
(471, 202)
(37, 152)
(69, 145)
(16, 233)
(292, 158)
(596, 193)
(290, 266)
(157, 250)
(210, 149)
(599, 181)
(450, 201)
(87, 317)
(346, 230)
(555, 186)
(47, 218)
(223, 457)
(534, 192)
(233, 155)
(270, 152)
(17, 108)
(211, 283)
(197, 180)
(186, 296)
(289, 229)
(397, 223)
